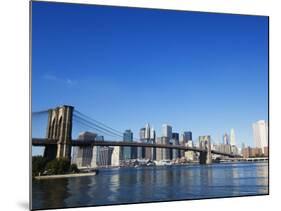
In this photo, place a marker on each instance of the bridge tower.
(205, 143)
(59, 128)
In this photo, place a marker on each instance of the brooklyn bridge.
(58, 141)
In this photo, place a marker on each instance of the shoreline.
(58, 176)
(87, 174)
(183, 164)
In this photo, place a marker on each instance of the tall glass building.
(167, 131)
(188, 135)
(232, 137)
(225, 139)
(141, 150)
(175, 153)
(127, 151)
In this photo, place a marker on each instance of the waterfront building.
(232, 137)
(183, 139)
(167, 131)
(101, 154)
(95, 157)
(246, 152)
(153, 140)
(162, 154)
(265, 151)
(82, 156)
(260, 133)
(105, 154)
(134, 152)
(127, 151)
(116, 157)
(147, 135)
(148, 151)
(159, 151)
(249, 152)
(166, 152)
(224, 148)
(174, 152)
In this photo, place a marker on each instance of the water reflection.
(50, 195)
(131, 185)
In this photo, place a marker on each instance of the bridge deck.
(82, 143)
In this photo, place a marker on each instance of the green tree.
(74, 168)
(38, 165)
(58, 166)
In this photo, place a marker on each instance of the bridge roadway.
(84, 143)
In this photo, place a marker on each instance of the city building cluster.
(104, 156)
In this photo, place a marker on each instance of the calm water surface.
(131, 185)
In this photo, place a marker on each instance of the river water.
(144, 184)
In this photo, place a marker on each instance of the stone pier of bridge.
(59, 128)
(205, 157)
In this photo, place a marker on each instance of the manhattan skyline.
(199, 72)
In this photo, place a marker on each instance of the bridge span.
(58, 141)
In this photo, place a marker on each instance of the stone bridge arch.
(205, 144)
(59, 129)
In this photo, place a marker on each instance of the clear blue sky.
(202, 72)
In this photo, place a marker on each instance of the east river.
(144, 184)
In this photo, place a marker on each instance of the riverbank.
(223, 162)
(58, 176)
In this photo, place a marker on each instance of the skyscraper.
(152, 134)
(153, 140)
(167, 131)
(142, 134)
(175, 141)
(232, 137)
(162, 154)
(147, 131)
(225, 139)
(127, 151)
(188, 135)
(140, 150)
(175, 136)
(148, 139)
(166, 152)
(260, 133)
